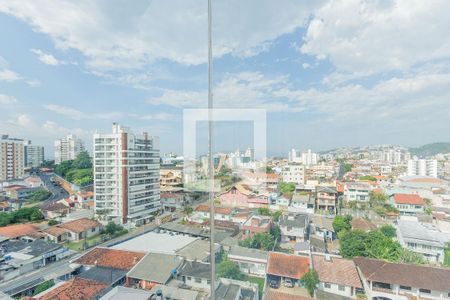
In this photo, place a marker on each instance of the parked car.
(274, 284)
(288, 283)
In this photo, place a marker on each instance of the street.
(58, 192)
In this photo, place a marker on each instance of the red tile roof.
(292, 266)
(336, 270)
(276, 295)
(18, 230)
(80, 225)
(105, 257)
(76, 288)
(408, 199)
(218, 210)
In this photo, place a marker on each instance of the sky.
(328, 73)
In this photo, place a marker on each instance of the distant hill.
(431, 149)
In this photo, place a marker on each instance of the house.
(172, 201)
(408, 204)
(422, 238)
(322, 226)
(236, 289)
(17, 231)
(293, 173)
(302, 248)
(257, 224)
(294, 227)
(281, 266)
(240, 196)
(198, 250)
(20, 192)
(357, 191)
(195, 274)
(302, 202)
(168, 292)
(112, 258)
(73, 230)
(52, 210)
(252, 262)
(76, 288)
(385, 280)
(362, 224)
(107, 275)
(201, 214)
(278, 295)
(326, 199)
(337, 275)
(283, 201)
(154, 268)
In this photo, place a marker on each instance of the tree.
(269, 170)
(409, 257)
(112, 228)
(286, 187)
(388, 230)
(348, 167)
(377, 199)
(229, 269)
(341, 223)
(263, 211)
(276, 215)
(188, 210)
(311, 280)
(368, 177)
(43, 287)
(52, 222)
(275, 232)
(260, 240)
(39, 195)
(82, 161)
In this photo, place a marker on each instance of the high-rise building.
(12, 160)
(34, 155)
(309, 158)
(126, 176)
(68, 148)
(423, 167)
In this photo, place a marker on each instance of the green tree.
(112, 229)
(260, 240)
(39, 195)
(377, 199)
(263, 211)
(52, 222)
(341, 223)
(368, 177)
(276, 215)
(286, 187)
(229, 269)
(269, 170)
(409, 257)
(348, 167)
(43, 287)
(188, 210)
(311, 280)
(388, 230)
(275, 232)
(82, 161)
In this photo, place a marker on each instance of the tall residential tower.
(68, 148)
(12, 159)
(126, 176)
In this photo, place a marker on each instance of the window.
(208, 281)
(189, 278)
(407, 288)
(93, 229)
(341, 288)
(327, 285)
(425, 291)
(198, 280)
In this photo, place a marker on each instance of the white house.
(357, 191)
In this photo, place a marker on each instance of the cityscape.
(313, 163)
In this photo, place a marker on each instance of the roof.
(323, 222)
(104, 275)
(217, 210)
(35, 248)
(362, 224)
(294, 220)
(414, 231)
(18, 230)
(106, 257)
(80, 225)
(197, 250)
(408, 199)
(247, 253)
(76, 288)
(276, 295)
(418, 276)
(155, 267)
(55, 231)
(196, 269)
(53, 206)
(286, 265)
(124, 293)
(231, 290)
(326, 189)
(331, 271)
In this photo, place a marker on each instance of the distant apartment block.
(294, 173)
(126, 176)
(307, 157)
(12, 159)
(357, 191)
(68, 148)
(34, 155)
(423, 167)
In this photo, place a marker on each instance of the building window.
(93, 229)
(425, 291)
(208, 281)
(327, 285)
(198, 280)
(189, 278)
(407, 288)
(341, 288)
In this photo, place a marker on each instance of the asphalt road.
(58, 192)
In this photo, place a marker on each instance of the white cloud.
(6, 100)
(69, 112)
(120, 34)
(33, 83)
(366, 37)
(47, 59)
(8, 75)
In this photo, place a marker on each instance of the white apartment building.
(68, 148)
(294, 173)
(34, 155)
(12, 160)
(423, 167)
(126, 176)
(357, 191)
(309, 158)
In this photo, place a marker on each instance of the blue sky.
(329, 73)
